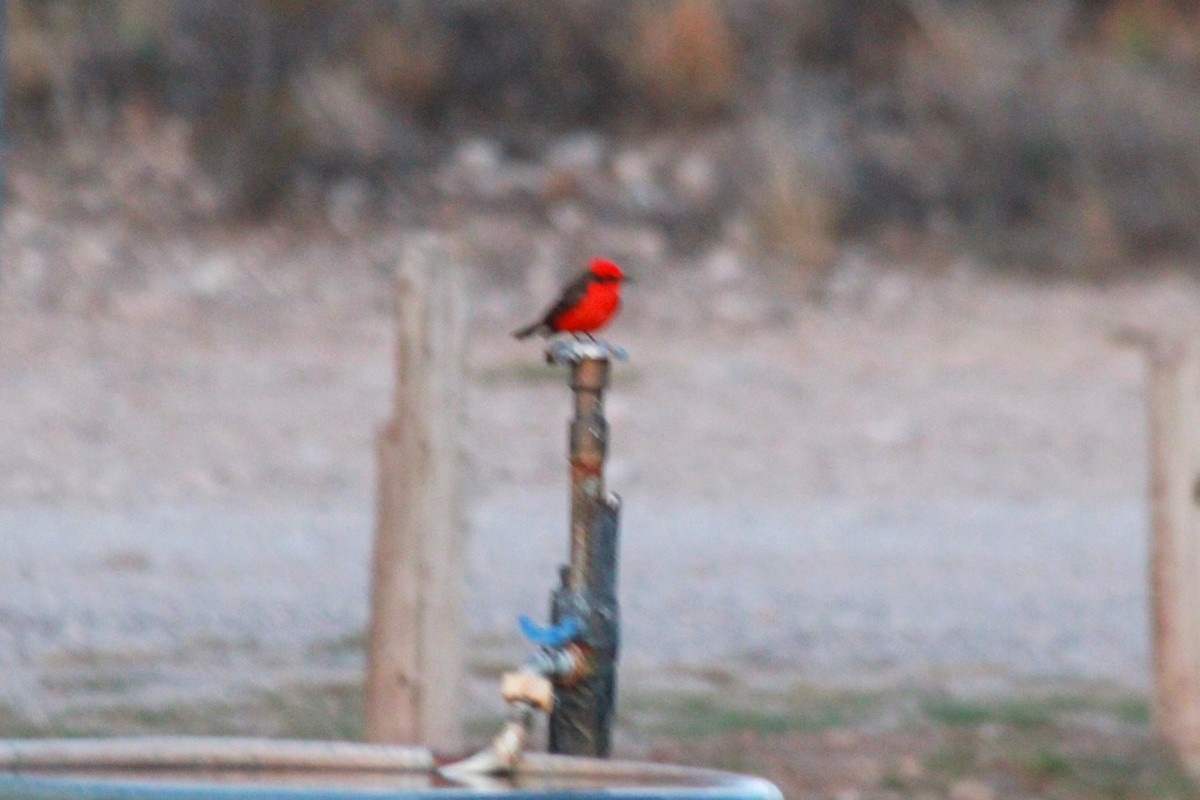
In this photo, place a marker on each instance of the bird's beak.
(627, 279)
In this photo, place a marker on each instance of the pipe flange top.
(572, 351)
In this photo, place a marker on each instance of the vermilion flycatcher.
(585, 305)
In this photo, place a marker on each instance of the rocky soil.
(876, 472)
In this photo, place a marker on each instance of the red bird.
(585, 305)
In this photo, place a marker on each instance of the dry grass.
(999, 136)
(796, 213)
(406, 68)
(683, 58)
(1058, 137)
(1084, 746)
(1090, 743)
(1157, 30)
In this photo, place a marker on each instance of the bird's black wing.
(571, 295)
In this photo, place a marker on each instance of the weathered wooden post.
(414, 656)
(1174, 422)
(3, 128)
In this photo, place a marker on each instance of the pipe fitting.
(526, 686)
(566, 664)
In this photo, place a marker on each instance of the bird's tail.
(531, 330)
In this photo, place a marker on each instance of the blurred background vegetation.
(1056, 136)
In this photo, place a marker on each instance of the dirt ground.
(879, 475)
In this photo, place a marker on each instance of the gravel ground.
(931, 478)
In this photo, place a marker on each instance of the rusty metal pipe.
(588, 446)
(581, 723)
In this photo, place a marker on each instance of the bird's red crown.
(603, 268)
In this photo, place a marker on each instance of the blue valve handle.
(555, 635)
